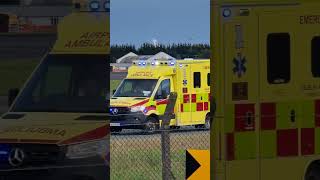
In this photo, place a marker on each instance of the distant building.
(125, 61)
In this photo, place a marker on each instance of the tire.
(116, 129)
(313, 172)
(151, 125)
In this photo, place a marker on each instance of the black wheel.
(151, 125)
(174, 127)
(116, 129)
(313, 172)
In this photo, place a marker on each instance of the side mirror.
(113, 91)
(12, 94)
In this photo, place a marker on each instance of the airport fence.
(158, 155)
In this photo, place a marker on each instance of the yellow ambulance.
(141, 98)
(57, 128)
(266, 78)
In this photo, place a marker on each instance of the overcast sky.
(164, 21)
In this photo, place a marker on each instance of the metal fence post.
(165, 137)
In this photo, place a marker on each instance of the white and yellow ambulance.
(57, 127)
(266, 78)
(141, 98)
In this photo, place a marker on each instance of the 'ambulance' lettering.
(90, 39)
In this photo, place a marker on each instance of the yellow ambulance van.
(57, 126)
(141, 98)
(265, 70)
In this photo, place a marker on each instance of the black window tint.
(164, 89)
(278, 58)
(315, 56)
(208, 79)
(197, 80)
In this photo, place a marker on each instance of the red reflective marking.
(241, 120)
(8, 140)
(161, 102)
(307, 141)
(200, 106)
(39, 141)
(268, 116)
(91, 135)
(151, 108)
(317, 113)
(185, 90)
(287, 142)
(141, 103)
(206, 106)
(186, 98)
(181, 107)
(230, 147)
(194, 98)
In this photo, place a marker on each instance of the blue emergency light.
(4, 152)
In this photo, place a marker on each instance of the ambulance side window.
(164, 89)
(208, 79)
(197, 80)
(315, 56)
(57, 81)
(278, 58)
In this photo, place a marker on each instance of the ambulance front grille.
(122, 110)
(43, 154)
(39, 155)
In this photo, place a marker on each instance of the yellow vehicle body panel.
(263, 129)
(79, 33)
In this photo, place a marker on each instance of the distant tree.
(179, 51)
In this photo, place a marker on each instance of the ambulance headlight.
(87, 149)
(94, 5)
(138, 109)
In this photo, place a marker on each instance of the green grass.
(14, 73)
(139, 157)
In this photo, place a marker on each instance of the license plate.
(114, 124)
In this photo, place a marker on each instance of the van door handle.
(249, 118)
(292, 116)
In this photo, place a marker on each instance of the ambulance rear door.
(184, 96)
(281, 105)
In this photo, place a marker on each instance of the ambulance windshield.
(67, 83)
(136, 88)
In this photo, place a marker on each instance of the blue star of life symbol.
(185, 82)
(240, 68)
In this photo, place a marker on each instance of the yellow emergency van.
(141, 98)
(56, 127)
(266, 69)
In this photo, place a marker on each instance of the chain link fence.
(136, 155)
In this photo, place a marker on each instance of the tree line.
(179, 51)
